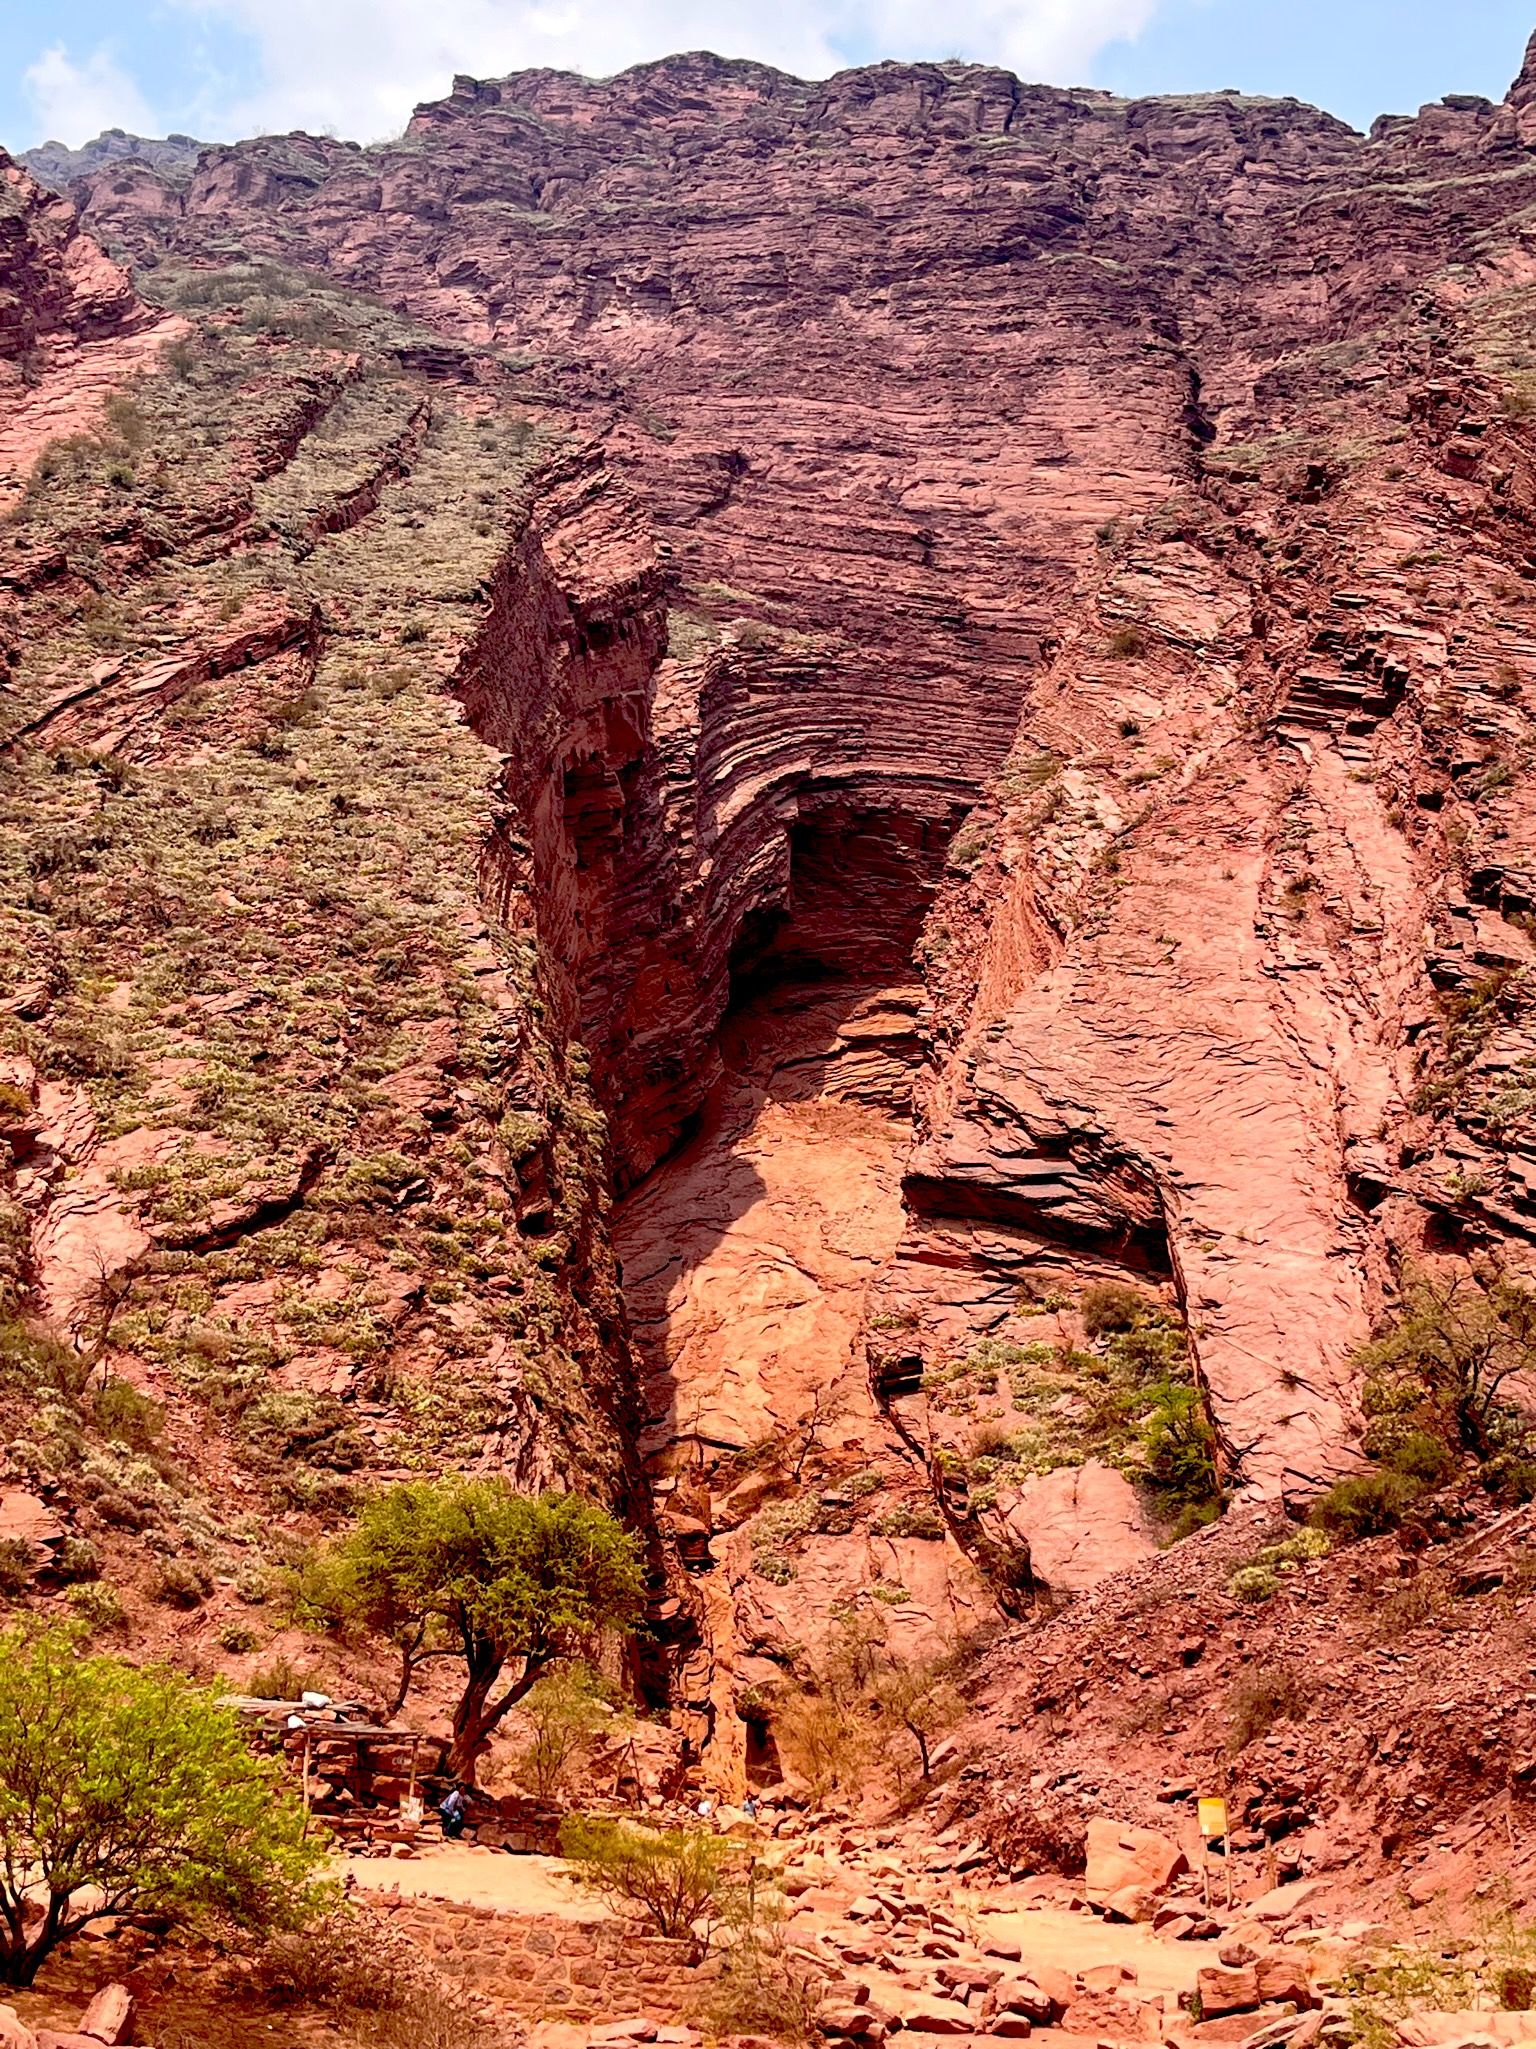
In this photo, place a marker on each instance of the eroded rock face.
(1053, 460)
(59, 285)
(1078, 1524)
(1009, 684)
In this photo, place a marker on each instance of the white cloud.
(359, 66)
(73, 102)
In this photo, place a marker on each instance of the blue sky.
(221, 68)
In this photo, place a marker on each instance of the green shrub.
(1445, 1367)
(16, 1565)
(910, 1519)
(76, 1560)
(1365, 1505)
(1253, 1583)
(677, 1878)
(1112, 1306)
(1422, 1457)
(97, 1608)
(1510, 1478)
(181, 1584)
(564, 1711)
(283, 1680)
(126, 1416)
(33, 1362)
(1179, 1443)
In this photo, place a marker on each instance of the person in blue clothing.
(453, 1811)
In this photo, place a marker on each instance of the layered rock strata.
(1031, 588)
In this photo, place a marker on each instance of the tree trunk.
(471, 1725)
(477, 1714)
(407, 1674)
(20, 1961)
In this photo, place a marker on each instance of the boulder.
(1285, 1974)
(928, 2013)
(1227, 1988)
(1024, 1996)
(636, 2028)
(1440, 2030)
(1285, 1900)
(109, 2015)
(845, 2018)
(14, 2033)
(1235, 2027)
(28, 1521)
(1121, 1859)
(1131, 1903)
(1054, 1982)
(1102, 1978)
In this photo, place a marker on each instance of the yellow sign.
(1213, 1819)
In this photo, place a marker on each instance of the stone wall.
(547, 1967)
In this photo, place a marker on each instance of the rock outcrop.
(997, 727)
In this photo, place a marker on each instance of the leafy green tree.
(126, 1790)
(466, 1569)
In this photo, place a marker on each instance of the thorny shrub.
(1260, 1699)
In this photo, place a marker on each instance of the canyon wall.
(994, 630)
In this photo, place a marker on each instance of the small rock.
(1100, 1978)
(1002, 1946)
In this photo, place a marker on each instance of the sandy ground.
(1075, 1942)
(480, 1878)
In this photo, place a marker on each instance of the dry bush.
(435, 2016)
(347, 1961)
(351, 1965)
(829, 1740)
(763, 1990)
(1047, 1834)
(1416, 1604)
(1258, 1700)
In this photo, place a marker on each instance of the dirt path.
(481, 1878)
(1046, 1935)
